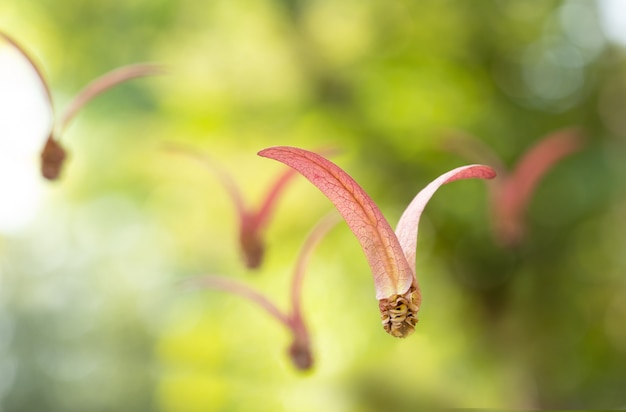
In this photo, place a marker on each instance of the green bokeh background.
(91, 313)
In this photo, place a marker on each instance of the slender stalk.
(313, 238)
(222, 175)
(238, 288)
(474, 150)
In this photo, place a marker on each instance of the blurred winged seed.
(539, 159)
(511, 194)
(300, 348)
(53, 155)
(251, 221)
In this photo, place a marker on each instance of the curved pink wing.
(104, 83)
(32, 63)
(264, 212)
(407, 228)
(539, 159)
(511, 198)
(380, 244)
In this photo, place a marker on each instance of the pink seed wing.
(265, 210)
(263, 214)
(104, 83)
(409, 221)
(380, 244)
(44, 83)
(538, 160)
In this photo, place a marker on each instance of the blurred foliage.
(91, 314)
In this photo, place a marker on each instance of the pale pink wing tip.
(407, 229)
(473, 172)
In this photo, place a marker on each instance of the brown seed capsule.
(52, 158)
(252, 247)
(300, 354)
(399, 313)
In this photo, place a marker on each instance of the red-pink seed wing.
(104, 83)
(263, 214)
(44, 83)
(379, 242)
(538, 160)
(409, 221)
(266, 208)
